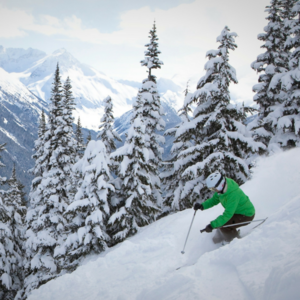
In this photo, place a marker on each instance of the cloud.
(12, 22)
(189, 24)
(186, 32)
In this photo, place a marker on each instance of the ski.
(248, 222)
(263, 221)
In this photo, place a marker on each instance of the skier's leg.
(230, 232)
(240, 219)
(218, 237)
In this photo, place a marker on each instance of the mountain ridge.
(90, 86)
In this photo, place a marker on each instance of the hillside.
(262, 265)
(19, 114)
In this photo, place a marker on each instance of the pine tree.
(21, 187)
(9, 257)
(88, 138)
(149, 106)
(140, 201)
(89, 213)
(79, 149)
(287, 15)
(41, 146)
(79, 140)
(136, 206)
(42, 125)
(2, 148)
(271, 64)
(48, 196)
(70, 144)
(16, 224)
(151, 60)
(68, 105)
(221, 142)
(106, 134)
(38, 156)
(287, 113)
(172, 178)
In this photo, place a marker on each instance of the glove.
(208, 228)
(198, 206)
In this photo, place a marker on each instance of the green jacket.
(234, 201)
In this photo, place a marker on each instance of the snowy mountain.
(35, 70)
(26, 80)
(263, 265)
(19, 113)
(18, 59)
(90, 86)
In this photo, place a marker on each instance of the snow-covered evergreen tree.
(80, 147)
(88, 138)
(151, 60)
(287, 14)
(172, 178)
(8, 257)
(107, 134)
(2, 148)
(9, 283)
(271, 64)
(89, 212)
(222, 142)
(21, 187)
(42, 125)
(70, 144)
(68, 105)
(137, 206)
(79, 152)
(139, 195)
(38, 155)
(149, 106)
(15, 236)
(286, 116)
(150, 110)
(48, 196)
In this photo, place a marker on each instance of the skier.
(238, 207)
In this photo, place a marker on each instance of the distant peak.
(60, 51)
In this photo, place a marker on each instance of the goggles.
(214, 189)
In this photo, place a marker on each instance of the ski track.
(263, 265)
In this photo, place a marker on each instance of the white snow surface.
(263, 265)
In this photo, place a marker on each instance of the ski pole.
(189, 232)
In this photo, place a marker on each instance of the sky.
(110, 35)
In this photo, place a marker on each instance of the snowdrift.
(264, 264)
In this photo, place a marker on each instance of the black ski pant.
(231, 232)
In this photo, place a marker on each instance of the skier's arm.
(230, 209)
(214, 200)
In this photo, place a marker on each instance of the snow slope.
(265, 264)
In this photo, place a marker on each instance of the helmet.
(215, 181)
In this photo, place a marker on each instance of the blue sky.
(110, 34)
